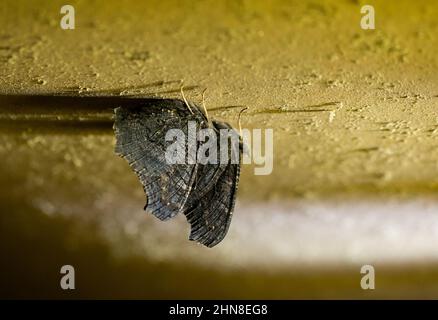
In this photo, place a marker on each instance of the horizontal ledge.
(62, 113)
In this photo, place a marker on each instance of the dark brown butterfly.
(204, 193)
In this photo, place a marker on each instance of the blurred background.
(355, 173)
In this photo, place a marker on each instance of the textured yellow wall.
(354, 114)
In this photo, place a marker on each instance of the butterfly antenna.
(185, 100)
(203, 105)
(238, 119)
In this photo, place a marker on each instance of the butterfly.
(204, 193)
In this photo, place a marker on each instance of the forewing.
(140, 139)
(206, 178)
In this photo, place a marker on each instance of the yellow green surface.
(354, 114)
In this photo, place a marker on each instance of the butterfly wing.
(207, 176)
(210, 218)
(210, 213)
(140, 139)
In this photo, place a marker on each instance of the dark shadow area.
(57, 126)
(34, 246)
(64, 113)
(66, 104)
